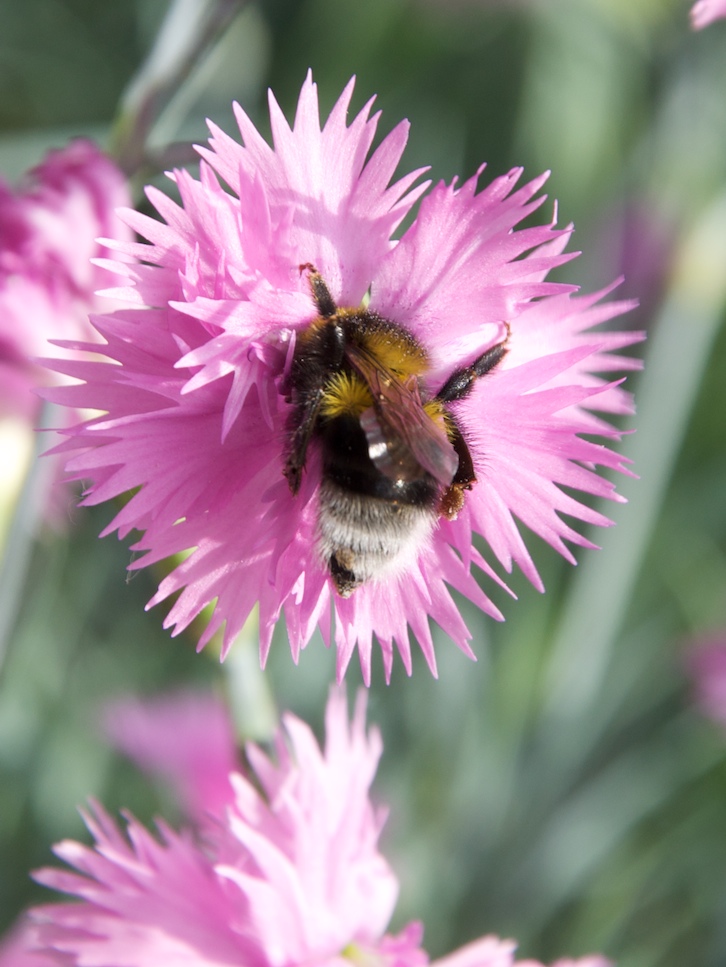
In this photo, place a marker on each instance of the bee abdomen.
(363, 538)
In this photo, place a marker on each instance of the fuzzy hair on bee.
(393, 462)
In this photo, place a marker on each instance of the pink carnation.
(289, 876)
(493, 952)
(21, 947)
(590, 960)
(198, 399)
(187, 738)
(706, 665)
(48, 235)
(292, 875)
(705, 12)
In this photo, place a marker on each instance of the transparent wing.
(402, 437)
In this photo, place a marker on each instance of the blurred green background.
(563, 790)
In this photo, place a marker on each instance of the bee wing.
(402, 437)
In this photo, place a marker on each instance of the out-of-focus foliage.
(562, 790)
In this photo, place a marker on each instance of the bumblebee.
(394, 459)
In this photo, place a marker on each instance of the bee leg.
(456, 387)
(461, 381)
(319, 350)
(452, 499)
(344, 578)
(304, 422)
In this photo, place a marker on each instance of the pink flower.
(48, 235)
(220, 358)
(289, 876)
(20, 948)
(706, 665)
(186, 737)
(488, 951)
(493, 952)
(704, 12)
(591, 960)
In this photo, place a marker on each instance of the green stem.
(251, 701)
(190, 28)
(26, 519)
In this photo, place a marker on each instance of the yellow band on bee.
(345, 394)
(404, 358)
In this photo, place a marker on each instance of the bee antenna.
(323, 299)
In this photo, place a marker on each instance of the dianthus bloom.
(48, 234)
(187, 738)
(243, 298)
(291, 875)
(705, 12)
(706, 665)
(21, 948)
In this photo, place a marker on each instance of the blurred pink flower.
(636, 240)
(590, 960)
(706, 665)
(493, 952)
(290, 876)
(403, 950)
(197, 390)
(704, 12)
(48, 234)
(186, 737)
(20, 948)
